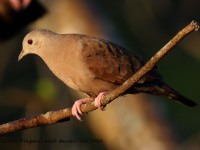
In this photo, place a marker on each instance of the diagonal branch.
(52, 117)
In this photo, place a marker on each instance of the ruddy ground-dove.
(94, 66)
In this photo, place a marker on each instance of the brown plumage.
(93, 65)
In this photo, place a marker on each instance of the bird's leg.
(76, 111)
(97, 101)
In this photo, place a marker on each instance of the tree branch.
(52, 117)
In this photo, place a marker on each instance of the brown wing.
(109, 61)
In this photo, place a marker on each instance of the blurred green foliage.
(45, 88)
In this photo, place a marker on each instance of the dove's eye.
(30, 41)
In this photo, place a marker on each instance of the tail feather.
(162, 89)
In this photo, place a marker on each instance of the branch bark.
(52, 117)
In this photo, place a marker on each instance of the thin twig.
(52, 117)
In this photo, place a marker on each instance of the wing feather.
(110, 62)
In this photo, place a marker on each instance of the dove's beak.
(21, 55)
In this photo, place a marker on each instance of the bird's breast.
(68, 65)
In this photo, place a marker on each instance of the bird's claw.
(97, 101)
(76, 108)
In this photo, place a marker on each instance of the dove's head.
(34, 42)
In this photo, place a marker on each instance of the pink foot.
(76, 111)
(97, 101)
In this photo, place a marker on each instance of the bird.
(94, 66)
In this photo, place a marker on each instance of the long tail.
(161, 88)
